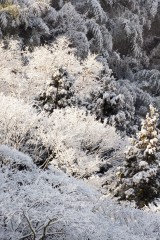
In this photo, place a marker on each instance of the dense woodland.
(79, 119)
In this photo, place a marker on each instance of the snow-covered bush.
(78, 141)
(138, 179)
(18, 78)
(20, 127)
(17, 122)
(15, 160)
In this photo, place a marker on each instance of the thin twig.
(51, 221)
(30, 226)
(28, 235)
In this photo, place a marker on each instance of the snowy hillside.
(79, 119)
(32, 200)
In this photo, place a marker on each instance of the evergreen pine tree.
(139, 178)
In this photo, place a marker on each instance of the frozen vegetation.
(37, 204)
(79, 119)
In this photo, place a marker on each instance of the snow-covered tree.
(138, 179)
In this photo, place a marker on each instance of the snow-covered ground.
(31, 198)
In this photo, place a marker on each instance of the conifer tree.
(139, 179)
